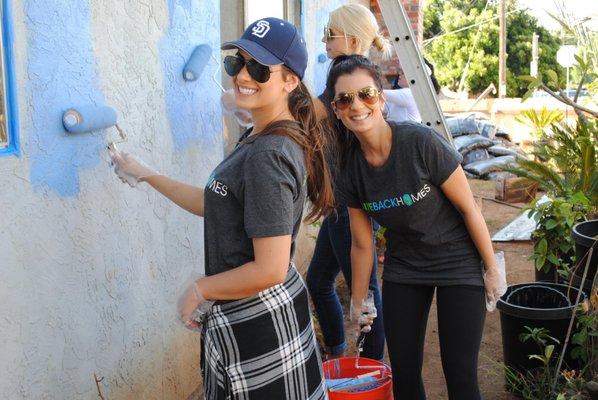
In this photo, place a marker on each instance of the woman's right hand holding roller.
(129, 168)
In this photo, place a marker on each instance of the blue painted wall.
(61, 73)
(193, 107)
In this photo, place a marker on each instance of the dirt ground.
(519, 269)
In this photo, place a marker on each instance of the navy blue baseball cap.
(272, 41)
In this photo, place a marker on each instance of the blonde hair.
(356, 20)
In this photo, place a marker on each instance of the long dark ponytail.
(313, 137)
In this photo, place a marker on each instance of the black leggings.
(461, 314)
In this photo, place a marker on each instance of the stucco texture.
(90, 267)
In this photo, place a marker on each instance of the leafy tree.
(520, 28)
(432, 13)
(479, 44)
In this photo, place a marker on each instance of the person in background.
(259, 342)
(400, 102)
(351, 29)
(409, 179)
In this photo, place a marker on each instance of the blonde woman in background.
(351, 29)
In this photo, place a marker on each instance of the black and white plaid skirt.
(263, 347)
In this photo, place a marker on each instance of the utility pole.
(502, 51)
(533, 67)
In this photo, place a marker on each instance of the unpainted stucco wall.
(90, 267)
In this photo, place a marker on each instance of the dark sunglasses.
(329, 35)
(368, 95)
(234, 64)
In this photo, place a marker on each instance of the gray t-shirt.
(257, 191)
(426, 238)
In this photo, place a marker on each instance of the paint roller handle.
(129, 168)
(363, 314)
(229, 106)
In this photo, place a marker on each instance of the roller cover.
(88, 118)
(197, 62)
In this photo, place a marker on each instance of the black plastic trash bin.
(536, 305)
(585, 236)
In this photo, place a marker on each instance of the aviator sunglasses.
(329, 35)
(259, 72)
(368, 95)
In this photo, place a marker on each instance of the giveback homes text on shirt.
(406, 199)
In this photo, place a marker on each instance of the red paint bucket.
(346, 367)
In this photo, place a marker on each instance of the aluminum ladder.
(412, 62)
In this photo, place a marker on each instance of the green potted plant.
(554, 248)
(543, 381)
(570, 178)
(565, 167)
(539, 120)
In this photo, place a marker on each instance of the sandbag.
(499, 150)
(484, 167)
(500, 175)
(486, 128)
(465, 144)
(475, 155)
(458, 126)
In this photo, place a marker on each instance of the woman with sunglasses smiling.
(409, 179)
(351, 29)
(259, 342)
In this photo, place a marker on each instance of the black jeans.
(461, 315)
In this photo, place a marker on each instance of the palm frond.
(539, 172)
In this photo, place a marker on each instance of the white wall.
(90, 267)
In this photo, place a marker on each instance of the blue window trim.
(9, 78)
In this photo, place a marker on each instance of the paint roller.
(89, 118)
(197, 62)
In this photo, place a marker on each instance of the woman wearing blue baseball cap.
(252, 306)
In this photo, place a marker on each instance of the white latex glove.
(230, 107)
(495, 282)
(129, 168)
(363, 315)
(192, 306)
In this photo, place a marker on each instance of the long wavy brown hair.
(314, 139)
